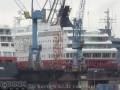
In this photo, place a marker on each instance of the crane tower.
(77, 39)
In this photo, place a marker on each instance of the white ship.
(97, 50)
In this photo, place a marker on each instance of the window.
(49, 56)
(70, 38)
(96, 55)
(9, 39)
(71, 55)
(12, 45)
(67, 55)
(70, 31)
(3, 38)
(1, 31)
(113, 55)
(69, 45)
(13, 53)
(7, 32)
(4, 44)
(87, 55)
(106, 55)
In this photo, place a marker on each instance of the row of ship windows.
(7, 44)
(85, 55)
(92, 46)
(6, 39)
(68, 31)
(91, 38)
(97, 46)
(99, 55)
(46, 41)
(96, 38)
(40, 41)
(5, 53)
(50, 41)
(5, 31)
(66, 55)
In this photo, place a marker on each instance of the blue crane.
(34, 50)
(77, 39)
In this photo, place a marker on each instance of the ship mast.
(108, 21)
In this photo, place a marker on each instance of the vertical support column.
(34, 34)
(34, 51)
(77, 40)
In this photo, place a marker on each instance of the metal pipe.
(34, 28)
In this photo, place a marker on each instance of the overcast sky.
(94, 11)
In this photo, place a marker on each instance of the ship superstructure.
(6, 42)
(97, 47)
(8, 69)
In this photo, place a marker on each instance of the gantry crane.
(77, 39)
(34, 50)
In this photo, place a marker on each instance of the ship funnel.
(64, 17)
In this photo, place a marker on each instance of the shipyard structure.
(54, 53)
(97, 63)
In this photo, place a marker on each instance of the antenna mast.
(108, 27)
(108, 22)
